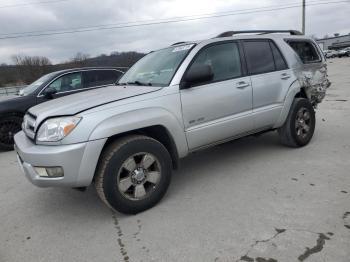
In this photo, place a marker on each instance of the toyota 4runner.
(127, 138)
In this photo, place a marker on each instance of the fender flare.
(294, 89)
(139, 119)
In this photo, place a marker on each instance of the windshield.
(156, 68)
(33, 86)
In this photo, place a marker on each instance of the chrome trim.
(72, 72)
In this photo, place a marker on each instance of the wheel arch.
(157, 132)
(294, 91)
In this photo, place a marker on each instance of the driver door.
(222, 108)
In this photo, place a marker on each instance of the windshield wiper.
(134, 83)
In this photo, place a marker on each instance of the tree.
(79, 59)
(30, 68)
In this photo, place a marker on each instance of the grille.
(29, 125)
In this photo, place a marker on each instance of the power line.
(32, 3)
(157, 22)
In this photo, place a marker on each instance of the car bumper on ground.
(77, 161)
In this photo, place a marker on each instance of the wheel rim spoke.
(306, 128)
(147, 161)
(139, 192)
(7, 131)
(299, 131)
(130, 164)
(125, 184)
(306, 116)
(153, 177)
(300, 114)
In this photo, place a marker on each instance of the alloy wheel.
(139, 176)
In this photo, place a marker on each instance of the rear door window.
(101, 77)
(280, 63)
(305, 50)
(259, 56)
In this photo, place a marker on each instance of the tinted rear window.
(305, 50)
(259, 56)
(101, 77)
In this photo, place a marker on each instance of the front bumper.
(78, 161)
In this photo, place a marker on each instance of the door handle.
(285, 76)
(242, 84)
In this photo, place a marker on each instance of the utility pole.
(303, 22)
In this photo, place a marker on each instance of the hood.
(7, 98)
(76, 103)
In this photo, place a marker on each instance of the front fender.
(142, 118)
(288, 100)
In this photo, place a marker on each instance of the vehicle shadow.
(238, 153)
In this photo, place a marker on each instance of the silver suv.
(127, 138)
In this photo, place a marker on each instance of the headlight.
(55, 129)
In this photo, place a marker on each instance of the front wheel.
(299, 127)
(9, 126)
(134, 173)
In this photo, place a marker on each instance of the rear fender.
(294, 89)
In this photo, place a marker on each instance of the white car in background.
(330, 53)
(344, 52)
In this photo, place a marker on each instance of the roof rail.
(231, 33)
(177, 43)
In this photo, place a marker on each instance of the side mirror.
(198, 74)
(49, 92)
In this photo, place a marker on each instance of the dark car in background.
(50, 86)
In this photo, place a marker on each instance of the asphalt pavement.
(247, 200)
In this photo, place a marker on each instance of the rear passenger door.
(101, 77)
(271, 79)
(221, 108)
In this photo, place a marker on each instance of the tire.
(299, 127)
(9, 126)
(128, 165)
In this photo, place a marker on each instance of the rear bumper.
(78, 161)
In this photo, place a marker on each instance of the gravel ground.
(247, 200)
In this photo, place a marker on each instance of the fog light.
(49, 171)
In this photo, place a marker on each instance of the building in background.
(335, 42)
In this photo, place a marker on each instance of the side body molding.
(142, 118)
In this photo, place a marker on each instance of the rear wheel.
(299, 127)
(9, 126)
(133, 174)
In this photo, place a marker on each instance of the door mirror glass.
(197, 74)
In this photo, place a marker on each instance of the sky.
(18, 16)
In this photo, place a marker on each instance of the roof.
(251, 34)
(89, 68)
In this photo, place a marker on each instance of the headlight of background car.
(55, 129)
